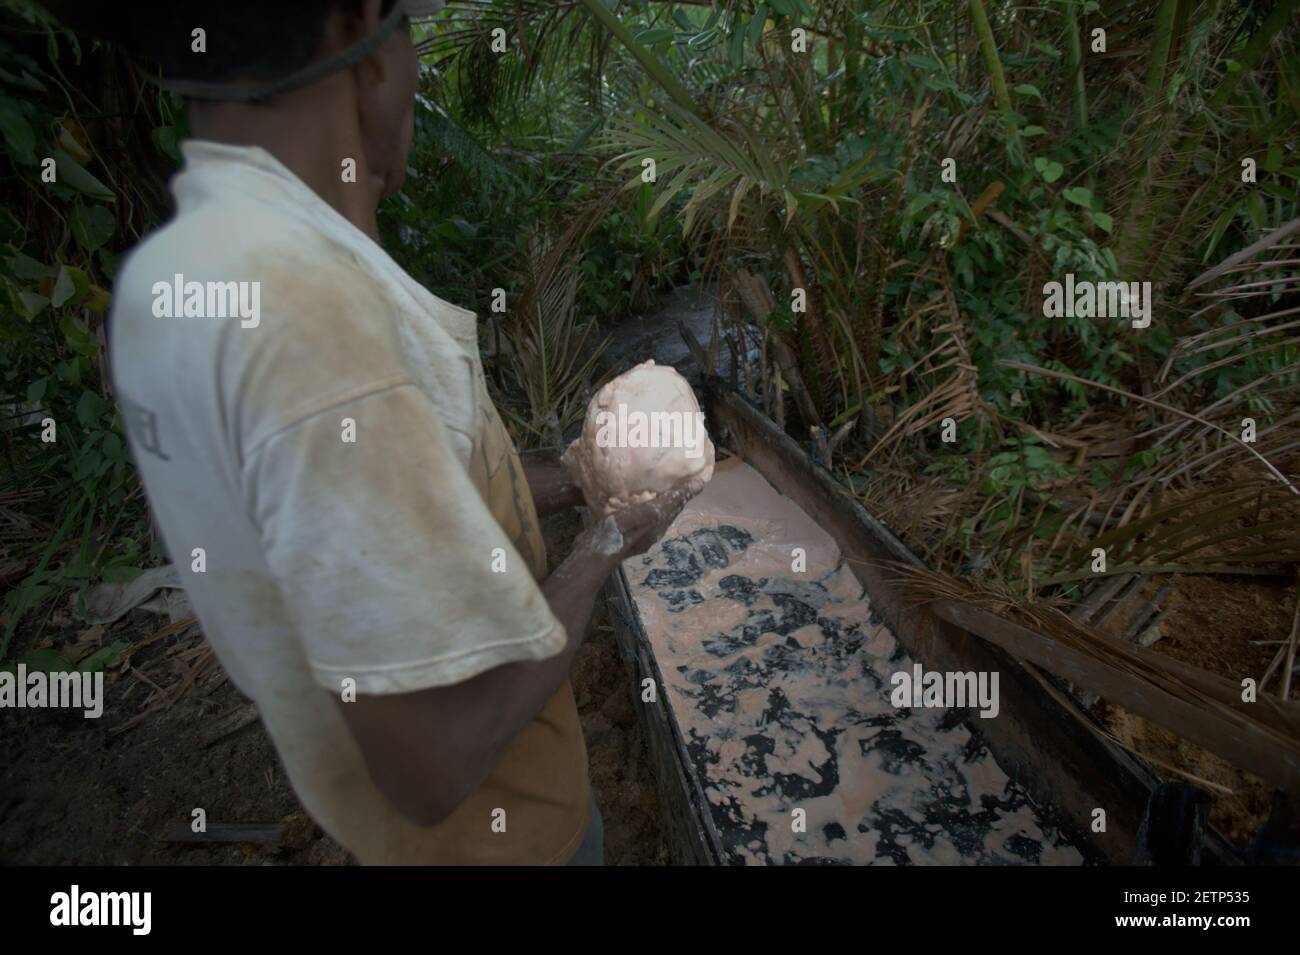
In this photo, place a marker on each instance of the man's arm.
(430, 750)
(552, 488)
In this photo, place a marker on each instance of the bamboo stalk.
(1074, 52)
(990, 49)
(1160, 48)
(649, 62)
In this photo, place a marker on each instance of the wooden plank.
(230, 723)
(1241, 744)
(693, 839)
(261, 833)
(1046, 743)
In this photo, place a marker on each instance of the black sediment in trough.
(1042, 739)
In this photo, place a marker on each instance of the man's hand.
(636, 528)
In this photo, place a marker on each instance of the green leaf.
(704, 38)
(756, 25)
(25, 267)
(64, 288)
(92, 226)
(736, 46)
(938, 83)
(917, 203)
(112, 446)
(1079, 196)
(78, 571)
(1273, 189)
(651, 37)
(104, 657)
(1255, 209)
(36, 390)
(89, 407)
(46, 661)
(1032, 131)
(1049, 169)
(108, 262)
(26, 80)
(164, 138)
(1218, 229)
(1028, 89)
(33, 303)
(75, 175)
(1104, 222)
(19, 137)
(74, 329)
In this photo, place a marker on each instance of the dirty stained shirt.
(341, 499)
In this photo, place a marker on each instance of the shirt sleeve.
(393, 568)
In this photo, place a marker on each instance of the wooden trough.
(1042, 739)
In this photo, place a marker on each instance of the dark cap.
(107, 21)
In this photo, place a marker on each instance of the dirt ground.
(73, 791)
(1223, 625)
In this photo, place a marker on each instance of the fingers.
(676, 499)
(669, 505)
(664, 509)
(681, 493)
(650, 519)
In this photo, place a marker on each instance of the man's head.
(248, 59)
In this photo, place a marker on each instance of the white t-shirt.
(340, 497)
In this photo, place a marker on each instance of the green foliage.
(65, 219)
(820, 171)
(1074, 174)
(467, 222)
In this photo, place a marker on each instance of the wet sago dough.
(779, 681)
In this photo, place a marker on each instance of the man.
(352, 522)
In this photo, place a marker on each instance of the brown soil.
(73, 792)
(1215, 623)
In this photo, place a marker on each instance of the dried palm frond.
(551, 254)
(1264, 274)
(550, 360)
(1269, 719)
(957, 394)
(542, 34)
(1178, 412)
(1248, 528)
(925, 511)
